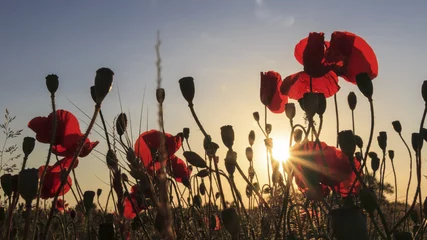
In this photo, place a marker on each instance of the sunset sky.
(224, 45)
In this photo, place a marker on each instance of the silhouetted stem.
(105, 129)
(27, 220)
(253, 188)
(337, 116)
(352, 121)
(410, 171)
(371, 133)
(134, 210)
(395, 192)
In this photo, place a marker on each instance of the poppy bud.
(310, 102)
(121, 124)
(186, 181)
(98, 192)
(397, 126)
(297, 135)
(106, 231)
(217, 195)
(382, 140)
(349, 223)
(352, 100)
(358, 156)
(112, 161)
(231, 221)
(186, 133)
(197, 201)
(6, 184)
(321, 104)
(160, 95)
(414, 216)
(186, 84)
(103, 83)
(28, 183)
(364, 83)
(391, 154)
(251, 172)
(346, 142)
(202, 188)
(375, 161)
(194, 159)
(227, 136)
(256, 116)
(367, 198)
(268, 128)
(251, 137)
(249, 154)
(424, 91)
(417, 143)
(358, 140)
(230, 161)
(28, 145)
(290, 110)
(88, 200)
(52, 83)
(425, 207)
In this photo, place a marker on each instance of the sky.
(224, 45)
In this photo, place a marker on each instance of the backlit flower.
(52, 182)
(270, 92)
(138, 203)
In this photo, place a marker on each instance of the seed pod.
(103, 83)
(346, 142)
(352, 100)
(88, 200)
(230, 162)
(98, 192)
(268, 128)
(256, 116)
(186, 133)
(391, 154)
(249, 154)
(28, 184)
(186, 84)
(227, 136)
(6, 184)
(417, 143)
(28, 145)
(397, 126)
(364, 83)
(297, 135)
(52, 83)
(251, 138)
(202, 188)
(290, 110)
(382, 140)
(160, 95)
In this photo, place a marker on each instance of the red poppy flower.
(52, 182)
(328, 167)
(137, 201)
(60, 205)
(148, 143)
(179, 169)
(295, 85)
(68, 134)
(64, 163)
(270, 92)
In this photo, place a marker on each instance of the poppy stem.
(134, 209)
(311, 84)
(105, 129)
(410, 171)
(395, 192)
(337, 116)
(49, 153)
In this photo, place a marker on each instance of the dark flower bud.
(88, 200)
(375, 161)
(186, 181)
(417, 143)
(268, 128)
(202, 188)
(186, 84)
(52, 83)
(382, 140)
(256, 116)
(321, 104)
(424, 91)
(358, 140)
(209, 146)
(28, 145)
(98, 192)
(93, 93)
(186, 133)
(6, 184)
(194, 159)
(106, 231)
(231, 221)
(249, 154)
(121, 124)
(251, 138)
(112, 161)
(367, 198)
(297, 135)
(347, 143)
(352, 100)
(397, 126)
(28, 184)
(310, 103)
(290, 110)
(358, 156)
(197, 201)
(103, 83)
(217, 195)
(364, 83)
(160, 95)
(391, 154)
(414, 216)
(227, 136)
(231, 161)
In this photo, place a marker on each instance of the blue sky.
(223, 44)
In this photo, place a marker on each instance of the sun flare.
(281, 149)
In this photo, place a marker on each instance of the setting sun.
(281, 149)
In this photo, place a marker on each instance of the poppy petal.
(40, 125)
(64, 163)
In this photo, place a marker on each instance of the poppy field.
(325, 190)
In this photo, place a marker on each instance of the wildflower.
(270, 93)
(68, 134)
(52, 182)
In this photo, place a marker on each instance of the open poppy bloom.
(68, 134)
(179, 169)
(52, 182)
(270, 92)
(148, 144)
(316, 169)
(64, 163)
(137, 200)
(60, 205)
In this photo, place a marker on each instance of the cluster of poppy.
(319, 167)
(68, 138)
(346, 55)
